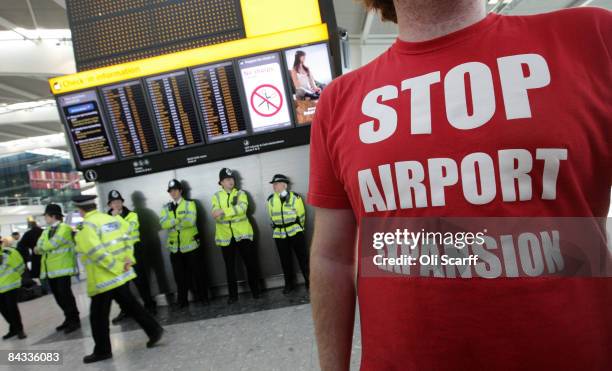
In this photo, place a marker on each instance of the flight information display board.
(85, 127)
(178, 83)
(218, 98)
(174, 110)
(129, 119)
(108, 32)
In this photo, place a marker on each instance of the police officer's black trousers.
(285, 246)
(10, 310)
(62, 292)
(249, 256)
(142, 284)
(142, 275)
(189, 274)
(100, 311)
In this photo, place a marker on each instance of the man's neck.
(422, 20)
(178, 200)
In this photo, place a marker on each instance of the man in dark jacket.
(26, 248)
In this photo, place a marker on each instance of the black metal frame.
(206, 151)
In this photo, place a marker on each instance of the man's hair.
(385, 7)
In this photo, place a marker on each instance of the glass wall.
(32, 178)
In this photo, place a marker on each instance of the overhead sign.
(187, 58)
(85, 126)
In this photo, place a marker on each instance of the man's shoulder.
(580, 14)
(568, 20)
(347, 82)
(339, 96)
(584, 33)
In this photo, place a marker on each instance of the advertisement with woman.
(310, 72)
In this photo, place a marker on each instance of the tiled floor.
(272, 333)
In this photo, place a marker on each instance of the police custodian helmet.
(53, 210)
(114, 195)
(226, 173)
(175, 184)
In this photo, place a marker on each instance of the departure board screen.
(219, 101)
(129, 118)
(174, 110)
(108, 32)
(86, 130)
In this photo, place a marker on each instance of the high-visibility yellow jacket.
(131, 223)
(134, 224)
(102, 242)
(234, 222)
(58, 255)
(289, 217)
(181, 226)
(11, 269)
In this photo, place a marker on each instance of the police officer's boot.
(96, 357)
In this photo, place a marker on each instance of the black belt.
(285, 225)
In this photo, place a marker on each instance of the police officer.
(102, 242)
(234, 233)
(58, 265)
(117, 209)
(11, 268)
(179, 218)
(286, 211)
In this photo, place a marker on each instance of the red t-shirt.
(529, 98)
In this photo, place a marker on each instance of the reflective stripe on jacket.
(129, 219)
(101, 242)
(234, 222)
(181, 226)
(289, 217)
(58, 255)
(11, 269)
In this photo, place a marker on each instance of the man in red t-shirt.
(466, 115)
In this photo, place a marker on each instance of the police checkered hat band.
(84, 200)
(279, 178)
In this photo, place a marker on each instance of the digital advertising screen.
(129, 118)
(309, 71)
(174, 111)
(264, 89)
(85, 128)
(218, 98)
